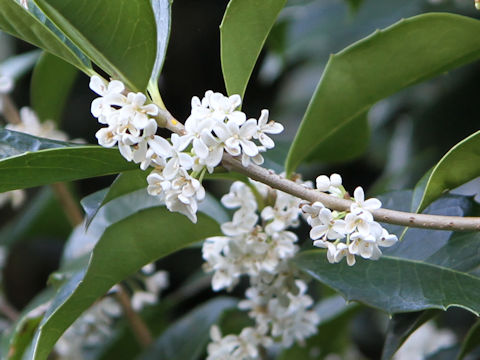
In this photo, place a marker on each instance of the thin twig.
(268, 177)
(10, 111)
(68, 203)
(139, 328)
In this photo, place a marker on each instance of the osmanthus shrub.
(253, 237)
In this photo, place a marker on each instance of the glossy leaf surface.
(32, 27)
(27, 161)
(118, 35)
(122, 250)
(460, 165)
(363, 73)
(244, 29)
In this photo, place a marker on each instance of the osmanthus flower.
(332, 184)
(215, 125)
(354, 232)
(265, 127)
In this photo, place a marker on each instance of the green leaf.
(187, 337)
(244, 29)
(21, 333)
(471, 341)
(395, 284)
(354, 5)
(459, 165)
(351, 84)
(400, 327)
(162, 9)
(118, 35)
(16, 66)
(342, 146)
(49, 97)
(122, 250)
(27, 161)
(30, 27)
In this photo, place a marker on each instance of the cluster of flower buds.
(350, 233)
(260, 246)
(179, 163)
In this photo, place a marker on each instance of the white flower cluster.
(92, 328)
(260, 247)
(363, 236)
(154, 282)
(179, 164)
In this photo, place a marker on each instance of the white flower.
(241, 196)
(326, 225)
(332, 184)
(157, 282)
(361, 204)
(343, 251)
(110, 94)
(15, 197)
(177, 158)
(237, 139)
(364, 245)
(385, 239)
(136, 111)
(358, 221)
(214, 150)
(142, 298)
(264, 127)
(331, 249)
(184, 194)
(6, 84)
(30, 124)
(224, 107)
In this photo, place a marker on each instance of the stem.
(269, 177)
(68, 203)
(10, 111)
(139, 328)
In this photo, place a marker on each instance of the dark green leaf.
(186, 338)
(460, 165)
(471, 341)
(243, 32)
(351, 84)
(28, 161)
(26, 25)
(346, 144)
(162, 10)
(354, 5)
(395, 284)
(400, 327)
(122, 250)
(16, 340)
(49, 97)
(118, 35)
